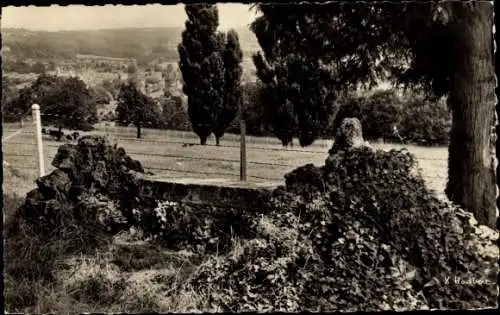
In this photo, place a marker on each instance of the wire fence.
(173, 153)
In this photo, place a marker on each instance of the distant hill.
(136, 43)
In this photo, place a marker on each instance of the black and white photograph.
(249, 157)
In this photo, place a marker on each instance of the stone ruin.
(92, 168)
(349, 135)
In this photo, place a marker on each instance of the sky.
(79, 17)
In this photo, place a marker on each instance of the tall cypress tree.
(202, 67)
(232, 56)
(299, 85)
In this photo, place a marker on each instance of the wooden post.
(21, 121)
(38, 134)
(243, 151)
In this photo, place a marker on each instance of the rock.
(100, 174)
(65, 159)
(54, 185)
(85, 170)
(349, 135)
(305, 179)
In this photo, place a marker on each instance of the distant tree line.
(21, 66)
(418, 119)
(64, 102)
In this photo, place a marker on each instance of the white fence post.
(39, 144)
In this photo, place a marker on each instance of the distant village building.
(111, 60)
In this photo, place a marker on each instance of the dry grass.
(65, 273)
(68, 274)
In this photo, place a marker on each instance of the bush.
(132, 69)
(426, 122)
(198, 228)
(419, 120)
(381, 111)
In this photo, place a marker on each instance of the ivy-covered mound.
(360, 233)
(90, 178)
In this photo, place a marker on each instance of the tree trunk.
(138, 130)
(59, 134)
(217, 141)
(203, 140)
(471, 179)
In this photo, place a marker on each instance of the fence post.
(243, 152)
(38, 134)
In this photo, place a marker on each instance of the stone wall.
(93, 174)
(216, 194)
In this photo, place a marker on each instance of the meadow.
(175, 154)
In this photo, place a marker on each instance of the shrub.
(198, 228)
(426, 121)
(419, 120)
(378, 112)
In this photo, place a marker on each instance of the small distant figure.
(396, 133)
(76, 135)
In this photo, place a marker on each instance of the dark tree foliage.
(174, 115)
(100, 95)
(444, 48)
(38, 68)
(380, 113)
(132, 68)
(18, 106)
(232, 56)
(254, 111)
(14, 106)
(69, 105)
(137, 108)
(202, 67)
(299, 82)
(64, 102)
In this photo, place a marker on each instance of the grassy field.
(125, 274)
(165, 153)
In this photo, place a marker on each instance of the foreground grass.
(80, 269)
(77, 269)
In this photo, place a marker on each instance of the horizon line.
(106, 29)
